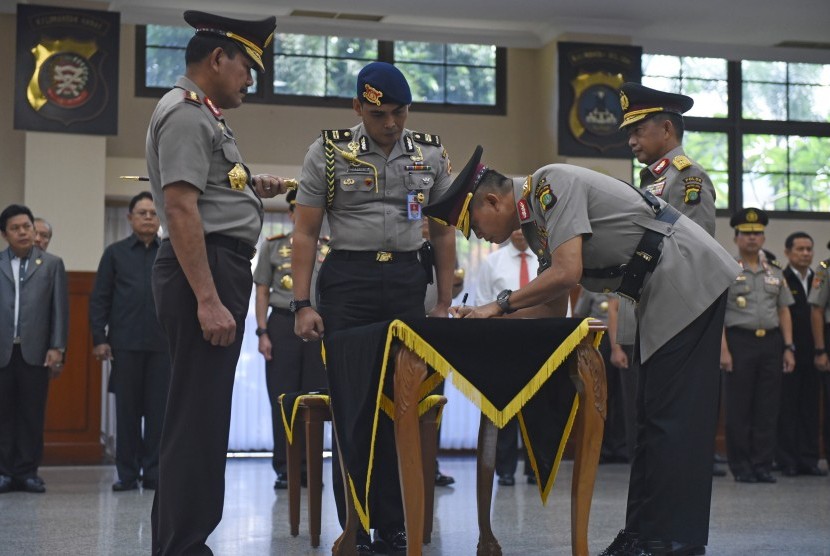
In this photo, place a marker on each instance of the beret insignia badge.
(372, 95)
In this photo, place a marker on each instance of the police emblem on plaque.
(596, 112)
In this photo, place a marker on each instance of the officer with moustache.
(371, 181)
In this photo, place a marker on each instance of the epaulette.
(276, 236)
(825, 264)
(324, 239)
(681, 162)
(192, 97)
(337, 134)
(426, 138)
(775, 263)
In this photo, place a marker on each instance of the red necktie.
(524, 275)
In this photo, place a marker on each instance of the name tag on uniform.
(413, 207)
(772, 280)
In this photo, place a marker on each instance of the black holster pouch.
(427, 258)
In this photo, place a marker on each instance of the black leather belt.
(281, 311)
(757, 332)
(376, 256)
(235, 245)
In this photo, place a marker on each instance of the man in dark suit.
(34, 318)
(797, 451)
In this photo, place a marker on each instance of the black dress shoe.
(364, 543)
(442, 480)
(392, 541)
(5, 484)
(789, 471)
(814, 471)
(666, 548)
(718, 471)
(282, 481)
(121, 486)
(506, 480)
(746, 478)
(32, 484)
(765, 477)
(622, 544)
(531, 479)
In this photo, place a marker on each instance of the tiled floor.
(80, 515)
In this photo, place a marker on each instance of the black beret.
(639, 102)
(253, 36)
(381, 83)
(453, 208)
(749, 220)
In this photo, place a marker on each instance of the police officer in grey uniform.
(371, 181)
(585, 227)
(211, 214)
(291, 365)
(757, 346)
(819, 300)
(655, 127)
(614, 446)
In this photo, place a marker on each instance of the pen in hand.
(464, 300)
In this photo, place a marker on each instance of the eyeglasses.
(146, 213)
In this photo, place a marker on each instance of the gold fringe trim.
(387, 405)
(411, 339)
(546, 485)
(289, 427)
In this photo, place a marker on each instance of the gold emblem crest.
(740, 301)
(751, 216)
(287, 282)
(624, 101)
(372, 95)
(238, 177)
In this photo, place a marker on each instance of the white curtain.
(251, 412)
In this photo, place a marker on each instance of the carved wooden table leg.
(316, 414)
(346, 543)
(429, 449)
(410, 371)
(587, 371)
(485, 466)
(294, 466)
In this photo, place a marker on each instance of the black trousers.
(139, 380)
(354, 293)
(798, 422)
(614, 439)
(825, 381)
(295, 366)
(23, 392)
(752, 396)
(194, 440)
(671, 475)
(507, 450)
(628, 396)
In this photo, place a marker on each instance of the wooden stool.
(312, 411)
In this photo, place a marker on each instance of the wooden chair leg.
(346, 543)
(485, 467)
(294, 466)
(314, 470)
(587, 371)
(410, 371)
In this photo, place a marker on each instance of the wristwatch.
(261, 331)
(296, 304)
(790, 347)
(503, 301)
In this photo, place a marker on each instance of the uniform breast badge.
(287, 282)
(238, 177)
(740, 301)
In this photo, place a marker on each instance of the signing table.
(545, 371)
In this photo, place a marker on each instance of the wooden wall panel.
(73, 412)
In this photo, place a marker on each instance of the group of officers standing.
(375, 182)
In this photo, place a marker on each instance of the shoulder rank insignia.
(546, 198)
(681, 162)
(192, 97)
(692, 186)
(276, 236)
(661, 166)
(427, 138)
(775, 263)
(337, 134)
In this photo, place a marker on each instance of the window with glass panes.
(321, 70)
(761, 126)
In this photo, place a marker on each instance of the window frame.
(266, 95)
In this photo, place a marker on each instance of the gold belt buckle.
(383, 256)
(760, 333)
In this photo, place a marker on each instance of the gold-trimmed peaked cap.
(453, 208)
(638, 102)
(253, 36)
(382, 83)
(749, 220)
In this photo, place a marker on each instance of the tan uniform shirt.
(612, 217)
(755, 296)
(820, 292)
(188, 141)
(273, 269)
(683, 184)
(370, 210)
